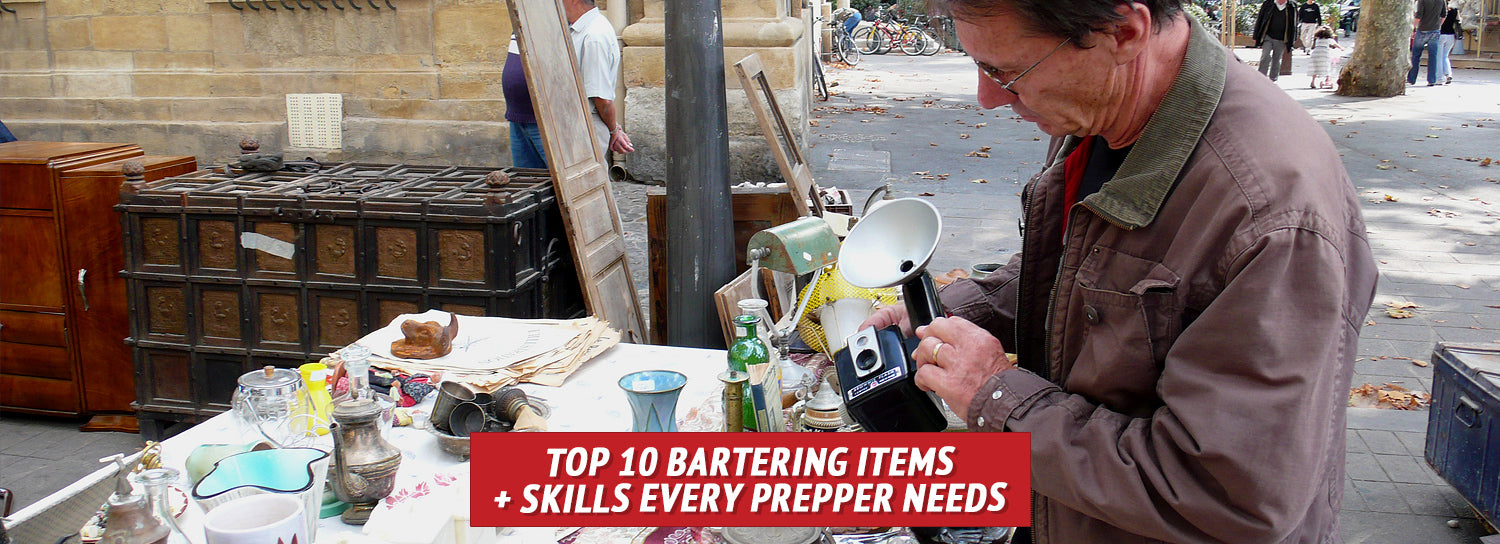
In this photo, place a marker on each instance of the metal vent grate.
(315, 120)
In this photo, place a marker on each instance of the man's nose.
(991, 95)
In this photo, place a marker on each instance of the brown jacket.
(1186, 357)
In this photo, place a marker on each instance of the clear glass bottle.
(158, 482)
(747, 350)
(796, 381)
(357, 367)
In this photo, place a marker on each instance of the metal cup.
(486, 401)
(450, 395)
(470, 418)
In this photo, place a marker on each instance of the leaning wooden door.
(580, 174)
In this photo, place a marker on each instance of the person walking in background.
(1320, 50)
(1428, 22)
(1275, 28)
(1448, 35)
(526, 149)
(1309, 18)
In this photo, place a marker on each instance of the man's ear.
(1127, 37)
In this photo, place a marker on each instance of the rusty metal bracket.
(11, 10)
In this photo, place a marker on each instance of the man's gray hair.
(1074, 19)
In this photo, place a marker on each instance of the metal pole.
(700, 221)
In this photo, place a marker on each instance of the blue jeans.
(1445, 48)
(526, 146)
(852, 21)
(1424, 40)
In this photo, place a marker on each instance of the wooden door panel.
(579, 172)
(30, 276)
(93, 245)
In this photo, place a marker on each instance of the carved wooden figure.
(427, 340)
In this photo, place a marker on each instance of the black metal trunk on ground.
(227, 273)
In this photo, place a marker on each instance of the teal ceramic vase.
(653, 399)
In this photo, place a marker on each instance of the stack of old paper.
(491, 352)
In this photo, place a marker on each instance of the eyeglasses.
(993, 73)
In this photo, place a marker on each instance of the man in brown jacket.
(1187, 301)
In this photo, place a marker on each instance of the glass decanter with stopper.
(158, 483)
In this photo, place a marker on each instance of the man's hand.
(886, 316)
(955, 358)
(619, 142)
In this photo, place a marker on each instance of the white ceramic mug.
(268, 518)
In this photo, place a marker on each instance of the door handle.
(83, 288)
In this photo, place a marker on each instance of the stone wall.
(750, 26)
(191, 77)
(420, 84)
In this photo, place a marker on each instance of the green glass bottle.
(747, 350)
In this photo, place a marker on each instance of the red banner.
(745, 479)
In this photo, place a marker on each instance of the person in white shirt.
(598, 50)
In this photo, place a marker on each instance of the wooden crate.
(754, 208)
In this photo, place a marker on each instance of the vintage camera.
(891, 245)
(877, 375)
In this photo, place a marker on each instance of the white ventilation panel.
(315, 120)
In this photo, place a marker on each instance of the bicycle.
(843, 46)
(880, 37)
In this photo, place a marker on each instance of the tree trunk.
(1383, 55)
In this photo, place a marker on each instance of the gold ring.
(935, 348)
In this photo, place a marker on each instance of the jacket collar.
(1131, 199)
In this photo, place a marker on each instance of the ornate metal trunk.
(228, 273)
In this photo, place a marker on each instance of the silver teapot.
(364, 463)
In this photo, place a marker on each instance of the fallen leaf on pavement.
(979, 181)
(1485, 162)
(924, 194)
(1387, 395)
(979, 154)
(1389, 198)
(1460, 286)
(980, 125)
(1400, 305)
(963, 136)
(1420, 363)
(1399, 314)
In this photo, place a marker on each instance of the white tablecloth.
(589, 401)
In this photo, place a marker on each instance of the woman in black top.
(1447, 35)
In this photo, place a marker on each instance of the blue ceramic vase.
(653, 399)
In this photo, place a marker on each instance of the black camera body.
(877, 376)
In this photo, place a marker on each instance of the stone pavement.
(913, 122)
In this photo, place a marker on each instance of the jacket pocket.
(1131, 314)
